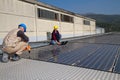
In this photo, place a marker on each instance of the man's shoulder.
(14, 30)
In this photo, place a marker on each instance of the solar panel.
(100, 53)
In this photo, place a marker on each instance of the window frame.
(86, 22)
(66, 18)
(46, 14)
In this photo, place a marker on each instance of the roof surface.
(26, 69)
(93, 58)
(98, 52)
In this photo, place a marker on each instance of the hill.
(111, 23)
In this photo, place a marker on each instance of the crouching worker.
(14, 43)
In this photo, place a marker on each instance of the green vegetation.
(111, 23)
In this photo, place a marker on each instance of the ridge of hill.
(111, 23)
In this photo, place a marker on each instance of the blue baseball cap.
(22, 25)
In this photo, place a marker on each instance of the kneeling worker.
(56, 36)
(14, 43)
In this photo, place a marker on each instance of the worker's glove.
(28, 48)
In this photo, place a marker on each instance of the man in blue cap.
(14, 43)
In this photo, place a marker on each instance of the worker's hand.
(28, 48)
(58, 43)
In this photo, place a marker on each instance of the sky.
(108, 7)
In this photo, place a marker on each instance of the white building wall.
(14, 12)
(89, 29)
(67, 30)
(93, 27)
(78, 26)
(86, 30)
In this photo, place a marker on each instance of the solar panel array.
(99, 53)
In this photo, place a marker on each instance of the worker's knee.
(52, 42)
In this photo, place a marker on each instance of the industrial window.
(86, 22)
(66, 18)
(47, 14)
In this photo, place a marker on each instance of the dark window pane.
(66, 18)
(47, 14)
(86, 22)
(38, 10)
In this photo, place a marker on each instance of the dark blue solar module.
(100, 53)
(117, 65)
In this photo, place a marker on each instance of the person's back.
(11, 39)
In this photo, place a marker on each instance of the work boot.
(5, 57)
(15, 57)
(64, 42)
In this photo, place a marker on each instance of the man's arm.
(23, 36)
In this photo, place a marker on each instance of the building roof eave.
(56, 8)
